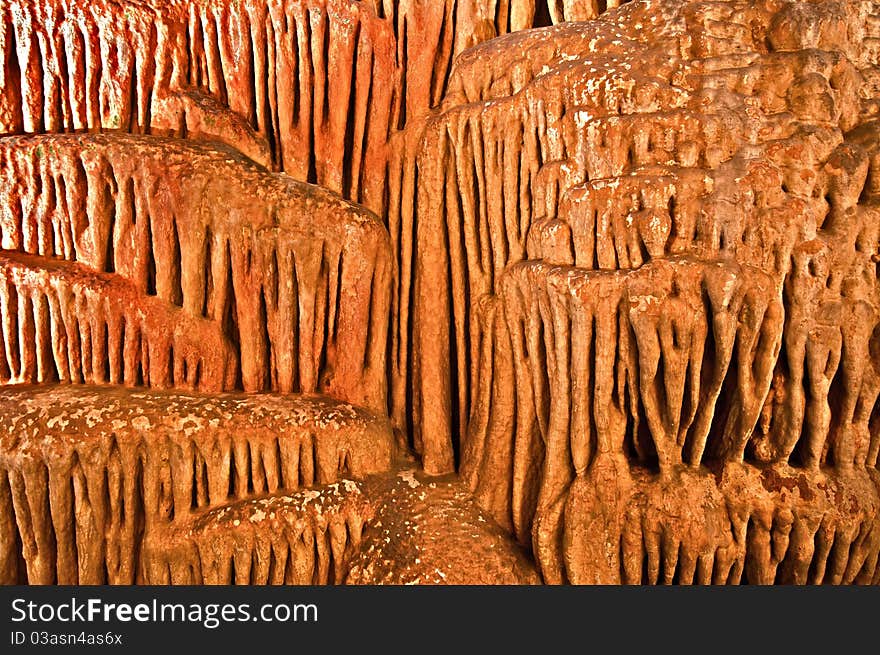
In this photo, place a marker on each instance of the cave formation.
(439, 291)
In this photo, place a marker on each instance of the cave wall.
(614, 265)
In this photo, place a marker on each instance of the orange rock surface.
(454, 291)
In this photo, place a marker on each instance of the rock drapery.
(294, 271)
(88, 471)
(609, 269)
(661, 291)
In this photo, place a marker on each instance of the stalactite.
(679, 236)
(618, 273)
(302, 538)
(63, 322)
(91, 470)
(279, 248)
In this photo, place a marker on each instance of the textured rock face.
(311, 87)
(291, 272)
(87, 473)
(661, 291)
(430, 531)
(296, 78)
(65, 322)
(613, 279)
(303, 538)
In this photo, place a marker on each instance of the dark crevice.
(542, 14)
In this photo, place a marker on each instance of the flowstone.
(456, 291)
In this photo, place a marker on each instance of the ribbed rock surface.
(690, 189)
(64, 322)
(293, 273)
(392, 528)
(303, 538)
(620, 274)
(313, 87)
(316, 88)
(296, 78)
(89, 472)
